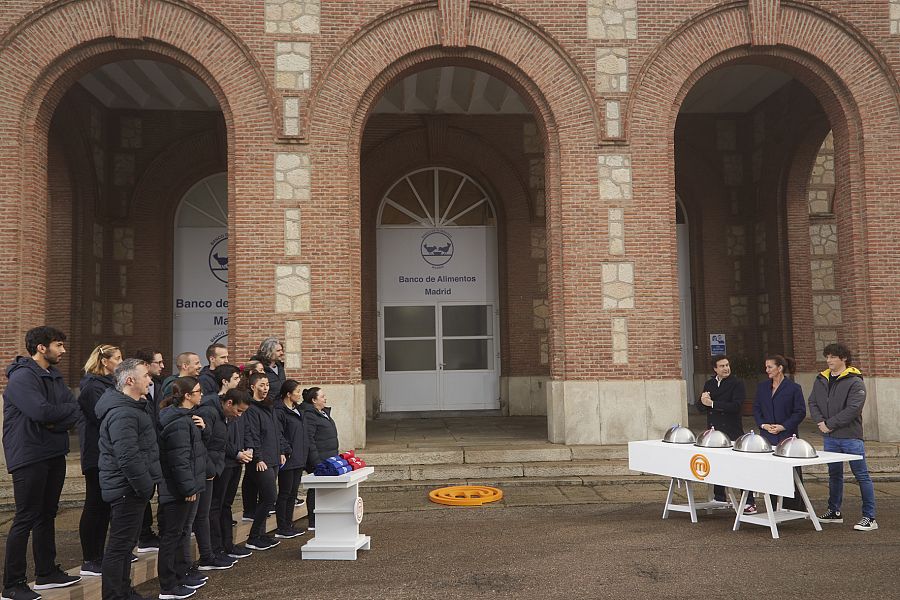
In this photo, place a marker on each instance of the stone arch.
(45, 52)
(848, 77)
(497, 41)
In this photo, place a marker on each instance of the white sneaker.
(866, 524)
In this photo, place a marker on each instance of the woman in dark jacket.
(778, 407)
(98, 377)
(182, 455)
(299, 440)
(324, 437)
(263, 436)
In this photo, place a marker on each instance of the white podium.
(339, 511)
(765, 473)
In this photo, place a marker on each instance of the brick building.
(527, 206)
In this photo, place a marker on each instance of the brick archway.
(483, 36)
(46, 52)
(853, 84)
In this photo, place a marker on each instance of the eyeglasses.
(192, 392)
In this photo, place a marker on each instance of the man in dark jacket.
(234, 403)
(836, 404)
(271, 353)
(149, 540)
(38, 411)
(722, 400)
(129, 470)
(216, 356)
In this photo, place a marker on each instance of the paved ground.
(569, 542)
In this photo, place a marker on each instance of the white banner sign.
(200, 307)
(456, 264)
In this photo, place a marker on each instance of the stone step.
(144, 570)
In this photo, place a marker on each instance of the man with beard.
(38, 411)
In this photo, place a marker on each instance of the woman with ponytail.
(299, 440)
(98, 377)
(263, 436)
(324, 436)
(182, 455)
(779, 407)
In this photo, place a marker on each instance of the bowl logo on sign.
(218, 258)
(700, 466)
(437, 248)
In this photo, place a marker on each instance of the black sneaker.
(92, 568)
(55, 579)
(192, 582)
(177, 593)
(134, 557)
(866, 524)
(20, 592)
(261, 543)
(238, 553)
(216, 563)
(300, 502)
(136, 596)
(832, 516)
(287, 534)
(148, 544)
(247, 518)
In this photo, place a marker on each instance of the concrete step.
(89, 588)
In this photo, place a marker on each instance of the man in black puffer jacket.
(129, 470)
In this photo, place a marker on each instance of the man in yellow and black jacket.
(836, 404)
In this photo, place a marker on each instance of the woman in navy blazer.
(778, 407)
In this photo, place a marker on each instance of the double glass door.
(440, 356)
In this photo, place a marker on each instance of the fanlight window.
(436, 197)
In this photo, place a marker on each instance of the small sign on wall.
(717, 344)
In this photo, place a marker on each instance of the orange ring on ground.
(465, 495)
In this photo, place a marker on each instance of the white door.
(439, 357)
(200, 290)
(437, 294)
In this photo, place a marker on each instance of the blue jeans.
(860, 471)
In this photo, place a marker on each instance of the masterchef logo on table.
(699, 466)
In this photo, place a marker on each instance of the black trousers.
(265, 485)
(36, 488)
(94, 518)
(221, 531)
(249, 491)
(125, 518)
(719, 494)
(311, 507)
(147, 525)
(201, 521)
(288, 486)
(171, 565)
(186, 548)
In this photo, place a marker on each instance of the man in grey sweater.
(836, 404)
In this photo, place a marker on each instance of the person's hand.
(706, 399)
(245, 456)
(261, 466)
(198, 421)
(191, 498)
(283, 459)
(824, 428)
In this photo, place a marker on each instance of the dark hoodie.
(38, 411)
(129, 454)
(324, 433)
(208, 383)
(92, 387)
(182, 455)
(216, 433)
(262, 433)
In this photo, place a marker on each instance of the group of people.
(835, 405)
(185, 439)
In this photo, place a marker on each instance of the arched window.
(436, 197)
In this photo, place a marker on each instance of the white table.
(339, 511)
(765, 473)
